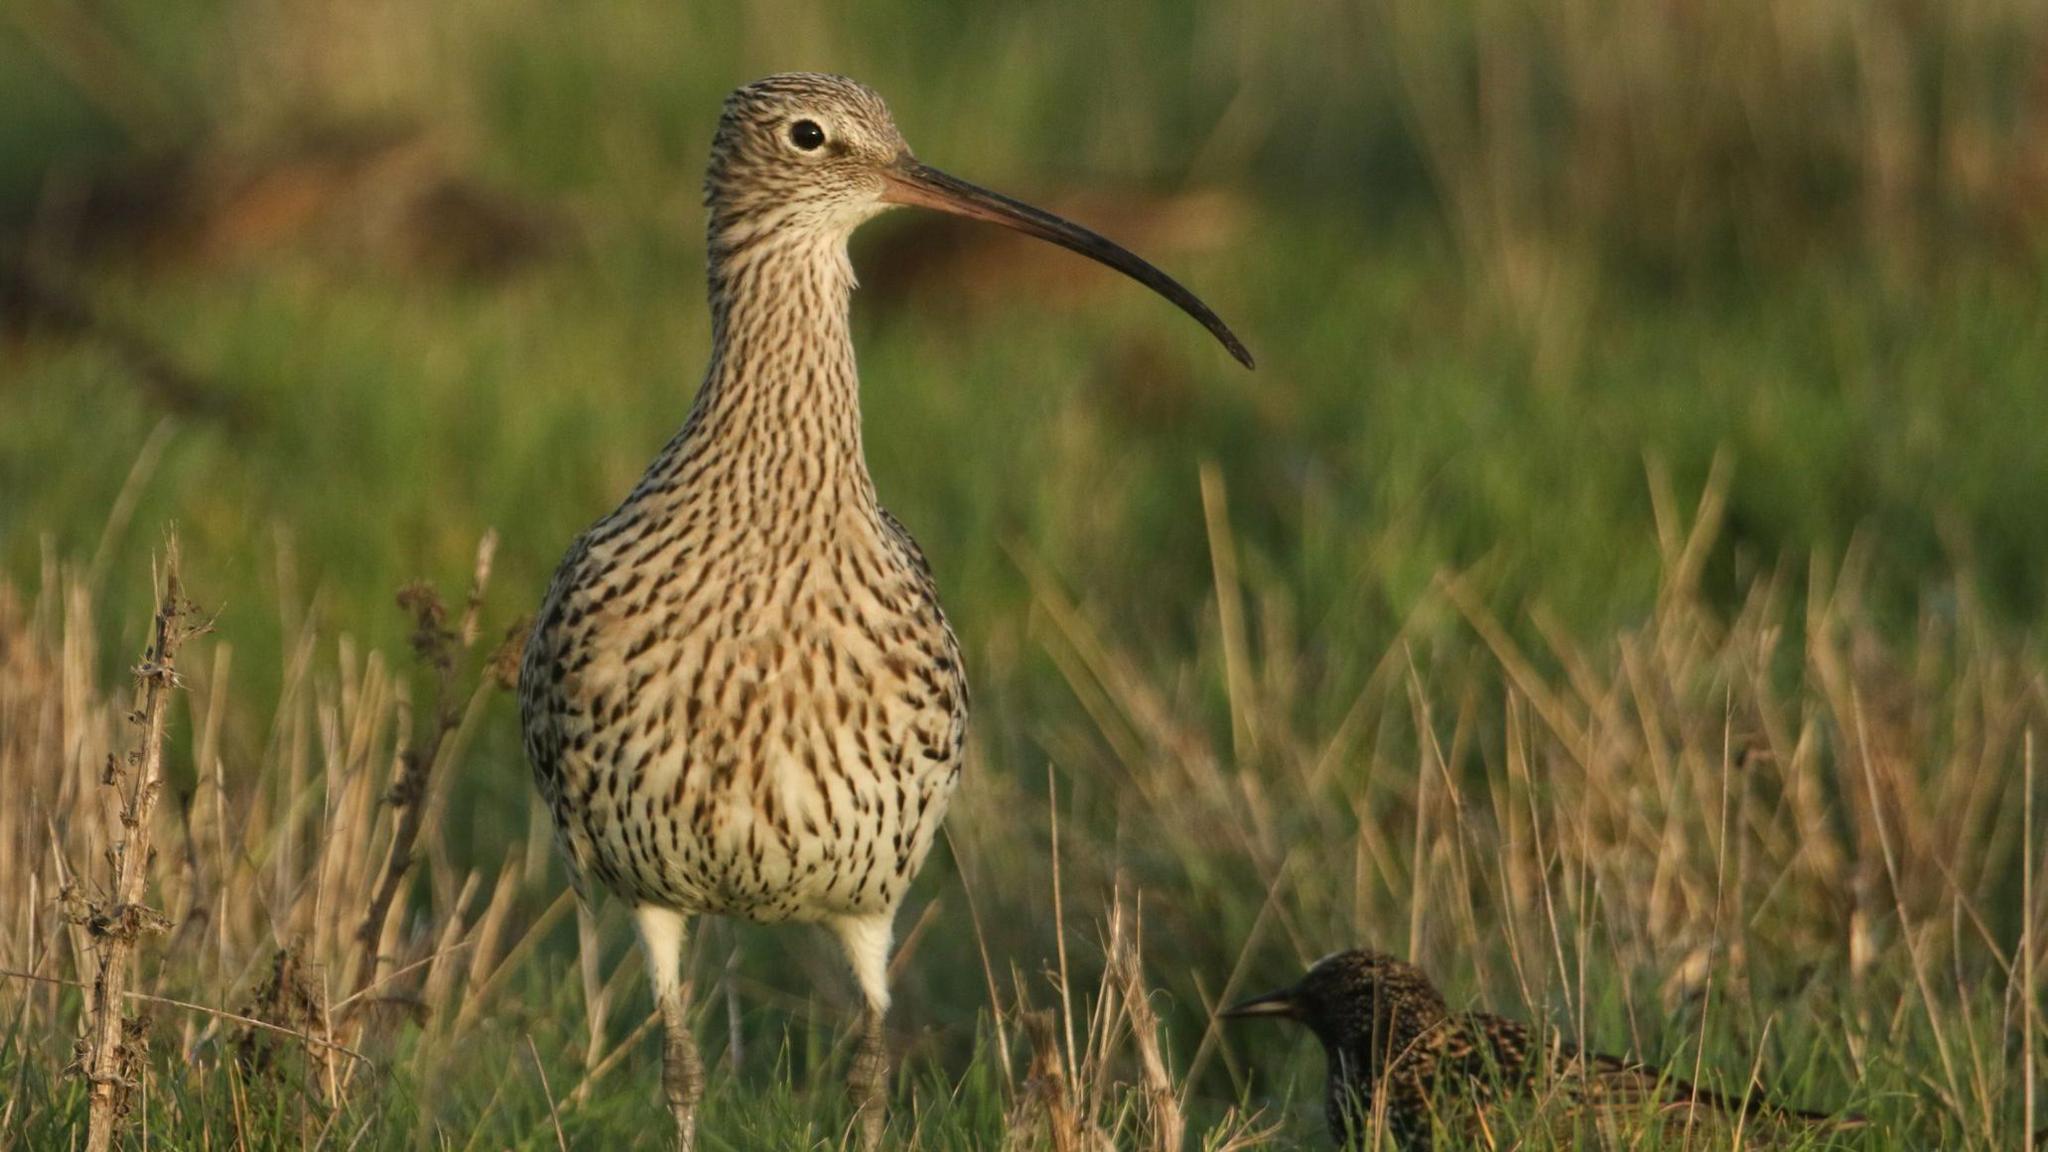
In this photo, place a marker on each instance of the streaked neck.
(775, 429)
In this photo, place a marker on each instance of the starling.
(1395, 1049)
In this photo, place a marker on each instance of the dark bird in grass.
(1400, 1061)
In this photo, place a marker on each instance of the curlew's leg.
(682, 1075)
(867, 1078)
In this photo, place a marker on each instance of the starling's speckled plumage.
(1398, 1055)
(740, 696)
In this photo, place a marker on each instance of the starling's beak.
(1279, 1003)
(909, 182)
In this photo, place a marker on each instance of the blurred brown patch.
(389, 194)
(1144, 383)
(36, 303)
(388, 191)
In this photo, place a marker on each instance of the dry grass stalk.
(1166, 1124)
(111, 1053)
(266, 869)
(1103, 1080)
(2027, 952)
(438, 647)
(1044, 1115)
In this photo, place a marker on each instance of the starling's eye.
(806, 134)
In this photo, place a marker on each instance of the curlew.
(740, 697)
(1399, 1057)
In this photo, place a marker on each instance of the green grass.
(1503, 343)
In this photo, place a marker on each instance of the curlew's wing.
(544, 726)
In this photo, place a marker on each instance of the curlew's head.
(1366, 1006)
(805, 157)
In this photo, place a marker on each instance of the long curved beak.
(1279, 1003)
(912, 183)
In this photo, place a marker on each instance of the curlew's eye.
(806, 134)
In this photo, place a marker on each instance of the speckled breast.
(733, 731)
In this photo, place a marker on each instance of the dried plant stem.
(437, 646)
(110, 1052)
(409, 796)
(1044, 1113)
(2028, 946)
(1167, 1125)
(548, 1094)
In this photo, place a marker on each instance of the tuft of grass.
(1778, 843)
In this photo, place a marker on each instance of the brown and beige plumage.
(1398, 1057)
(740, 696)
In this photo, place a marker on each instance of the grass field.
(1619, 588)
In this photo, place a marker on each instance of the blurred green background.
(395, 274)
(336, 287)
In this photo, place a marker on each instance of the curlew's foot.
(867, 1081)
(682, 1074)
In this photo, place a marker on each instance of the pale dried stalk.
(1044, 1115)
(409, 794)
(1168, 1126)
(2028, 948)
(110, 1052)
